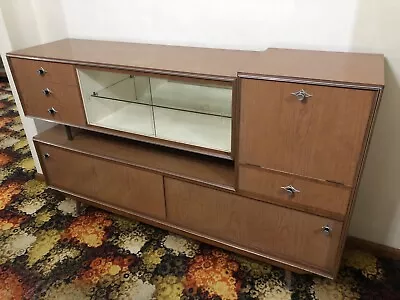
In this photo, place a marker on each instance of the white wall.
(25, 23)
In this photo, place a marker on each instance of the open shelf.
(195, 167)
(188, 113)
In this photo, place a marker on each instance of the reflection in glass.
(190, 113)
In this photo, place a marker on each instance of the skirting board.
(351, 243)
(374, 248)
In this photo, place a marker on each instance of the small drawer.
(279, 232)
(36, 71)
(53, 101)
(290, 189)
(103, 180)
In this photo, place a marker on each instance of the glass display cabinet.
(189, 112)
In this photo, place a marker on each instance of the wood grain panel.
(56, 72)
(183, 164)
(321, 138)
(319, 65)
(271, 229)
(319, 196)
(65, 99)
(356, 68)
(106, 181)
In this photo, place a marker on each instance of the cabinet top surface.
(315, 65)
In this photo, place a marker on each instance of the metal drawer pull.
(290, 189)
(52, 110)
(46, 155)
(46, 91)
(41, 71)
(301, 95)
(326, 230)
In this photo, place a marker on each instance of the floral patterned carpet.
(48, 252)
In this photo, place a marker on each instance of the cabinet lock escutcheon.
(41, 71)
(291, 190)
(46, 155)
(301, 95)
(46, 91)
(52, 111)
(326, 230)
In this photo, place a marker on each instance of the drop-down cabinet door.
(308, 130)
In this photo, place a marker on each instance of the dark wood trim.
(282, 263)
(376, 249)
(358, 174)
(40, 177)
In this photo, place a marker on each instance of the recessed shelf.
(194, 114)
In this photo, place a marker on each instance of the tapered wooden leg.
(78, 208)
(288, 279)
(68, 132)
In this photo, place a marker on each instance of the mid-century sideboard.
(258, 152)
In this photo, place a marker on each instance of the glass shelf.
(193, 114)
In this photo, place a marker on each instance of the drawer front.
(306, 193)
(105, 181)
(52, 72)
(65, 100)
(274, 230)
(320, 137)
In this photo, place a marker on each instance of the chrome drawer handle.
(290, 189)
(326, 230)
(41, 71)
(52, 110)
(301, 95)
(46, 155)
(46, 91)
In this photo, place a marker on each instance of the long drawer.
(290, 189)
(102, 180)
(280, 232)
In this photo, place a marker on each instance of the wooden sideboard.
(258, 152)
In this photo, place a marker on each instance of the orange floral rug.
(47, 251)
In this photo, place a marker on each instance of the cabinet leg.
(68, 132)
(78, 208)
(288, 279)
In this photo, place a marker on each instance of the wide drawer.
(62, 103)
(319, 133)
(36, 71)
(294, 190)
(277, 231)
(103, 180)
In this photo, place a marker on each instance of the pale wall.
(25, 23)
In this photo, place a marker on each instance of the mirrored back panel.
(192, 113)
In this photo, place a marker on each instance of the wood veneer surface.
(260, 226)
(121, 185)
(319, 65)
(319, 138)
(191, 166)
(356, 68)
